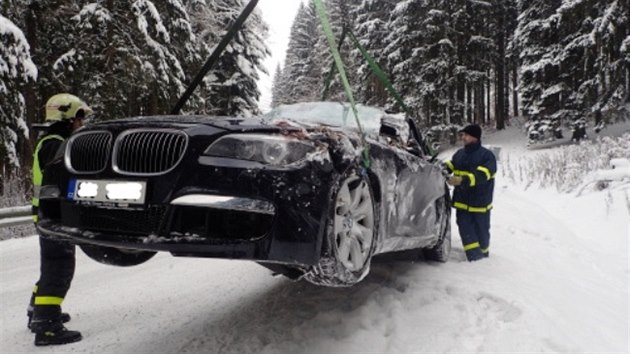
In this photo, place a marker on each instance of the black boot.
(52, 332)
(65, 318)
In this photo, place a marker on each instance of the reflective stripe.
(450, 166)
(479, 210)
(472, 179)
(471, 176)
(485, 250)
(471, 246)
(486, 171)
(462, 206)
(48, 300)
(37, 172)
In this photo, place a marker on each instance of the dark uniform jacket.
(46, 149)
(478, 166)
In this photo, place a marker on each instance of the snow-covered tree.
(405, 50)
(277, 88)
(302, 75)
(136, 57)
(341, 16)
(230, 88)
(371, 29)
(573, 64)
(16, 70)
(536, 43)
(144, 47)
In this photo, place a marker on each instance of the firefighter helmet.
(65, 106)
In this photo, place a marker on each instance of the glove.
(455, 180)
(446, 172)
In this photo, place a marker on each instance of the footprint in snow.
(505, 311)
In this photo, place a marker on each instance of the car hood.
(186, 122)
(181, 121)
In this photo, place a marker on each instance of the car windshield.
(329, 113)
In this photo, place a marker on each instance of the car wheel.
(351, 234)
(441, 251)
(117, 256)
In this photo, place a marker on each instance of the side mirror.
(394, 128)
(389, 131)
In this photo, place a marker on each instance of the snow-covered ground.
(557, 280)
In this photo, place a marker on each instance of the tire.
(117, 256)
(351, 232)
(442, 250)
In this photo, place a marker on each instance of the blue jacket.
(478, 167)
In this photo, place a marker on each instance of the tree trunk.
(515, 90)
(469, 103)
(488, 102)
(30, 94)
(461, 100)
(478, 99)
(499, 111)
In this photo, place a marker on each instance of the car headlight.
(267, 149)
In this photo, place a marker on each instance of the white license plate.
(131, 192)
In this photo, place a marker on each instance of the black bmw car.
(299, 190)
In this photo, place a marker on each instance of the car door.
(420, 183)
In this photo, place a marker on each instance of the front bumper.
(263, 215)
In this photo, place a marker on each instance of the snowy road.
(557, 281)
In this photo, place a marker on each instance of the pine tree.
(143, 46)
(302, 74)
(405, 52)
(371, 29)
(536, 41)
(342, 18)
(16, 70)
(277, 88)
(230, 88)
(579, 70)
(436, 71)
(137, 57)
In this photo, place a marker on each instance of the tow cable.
(216, 55)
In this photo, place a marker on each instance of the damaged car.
(304, 190)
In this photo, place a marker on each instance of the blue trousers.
(474, 229)
(57, 264)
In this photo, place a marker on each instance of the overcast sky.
(279, 14)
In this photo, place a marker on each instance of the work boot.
(52, 332)
(65, 317)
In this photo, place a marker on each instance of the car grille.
(148, 152)
(220, 225)
(89, 152)
(144, 221)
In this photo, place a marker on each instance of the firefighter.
(473, 169)
(64, 114)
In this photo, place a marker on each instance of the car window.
(330, 113)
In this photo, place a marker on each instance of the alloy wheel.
(354, 223)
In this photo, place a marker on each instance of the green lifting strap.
(380, 74)
(323, 18)
(331, 72)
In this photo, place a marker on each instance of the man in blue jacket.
(474, 168)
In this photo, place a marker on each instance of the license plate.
(104, 191)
